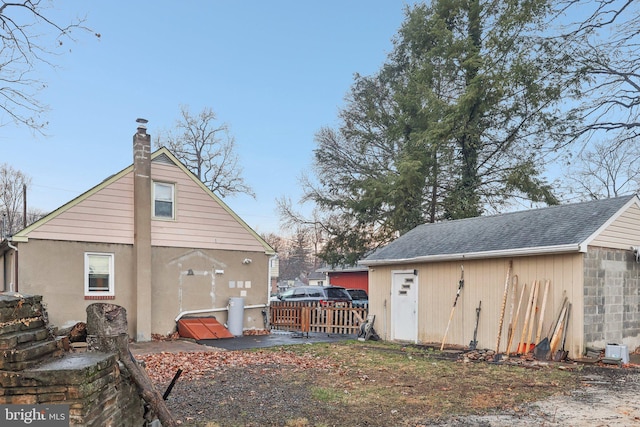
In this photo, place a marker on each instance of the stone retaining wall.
(34, 369)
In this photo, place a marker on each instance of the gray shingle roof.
(563, 227)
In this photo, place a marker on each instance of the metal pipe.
(207, 310)
(212, 310)
(15, 265)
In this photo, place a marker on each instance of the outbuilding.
(587, 252)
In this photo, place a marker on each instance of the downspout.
(15, 264)
(266, 312)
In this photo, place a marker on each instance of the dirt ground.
(606, 397)
(260, 389)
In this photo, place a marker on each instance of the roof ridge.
(551, 229)
(558, 206)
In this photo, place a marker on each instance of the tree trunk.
(107, 332)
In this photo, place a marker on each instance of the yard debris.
(490, 356)
(161, 366)
(170, 337)
(255, 332)
(480, 355)
(78, 332)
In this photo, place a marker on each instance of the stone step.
(12, 340)
(21, 325)
(28, 354)
(15, 306)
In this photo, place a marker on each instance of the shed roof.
(555, 229)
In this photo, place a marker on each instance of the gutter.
(214, 310)
(542, 250)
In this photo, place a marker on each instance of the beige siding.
(104, 216)
(200, 221)
(484, 281)
(623, 233)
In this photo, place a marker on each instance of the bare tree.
(605, 47)
(206, 147)
(29, 40)
(12, 188)
(314, 226)
(606, 170)
(297, 253)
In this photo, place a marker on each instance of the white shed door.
(404, 308)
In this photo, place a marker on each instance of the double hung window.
(98, 275)
(163, 200)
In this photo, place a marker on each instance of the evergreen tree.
(458, 120)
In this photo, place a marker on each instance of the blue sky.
(274, 71)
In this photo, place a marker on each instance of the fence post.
(306, 319)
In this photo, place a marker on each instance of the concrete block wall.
(611, 298)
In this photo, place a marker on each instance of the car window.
(358, 294)
(299, 293)
(287, 293)
(337, 293)
(315, 293)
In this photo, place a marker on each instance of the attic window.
(163, 200)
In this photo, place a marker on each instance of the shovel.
(474, 342)
(542, 350)
(560, 355)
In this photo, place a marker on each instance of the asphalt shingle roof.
(553, 226)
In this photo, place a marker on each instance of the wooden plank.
(306, 317)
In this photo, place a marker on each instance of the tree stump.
(107, 332)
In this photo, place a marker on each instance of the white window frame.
(111, 291)
(170, 185)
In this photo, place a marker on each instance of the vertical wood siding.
(484, 281)
(623, 232)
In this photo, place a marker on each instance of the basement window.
(98, 276)
(163, 200)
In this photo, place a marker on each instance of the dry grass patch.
(411, 380)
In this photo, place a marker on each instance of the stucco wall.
(204, 279)
(612, 298)
(55, 270)
(59, 277)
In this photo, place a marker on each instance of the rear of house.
(585, 251)
(151, 238)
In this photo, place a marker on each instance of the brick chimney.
(142, 230)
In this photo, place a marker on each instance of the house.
(350, 277)
(151, 238)
(587, 251)
(318, 278)
(283, 285)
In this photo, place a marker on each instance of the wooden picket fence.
(313, 317)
